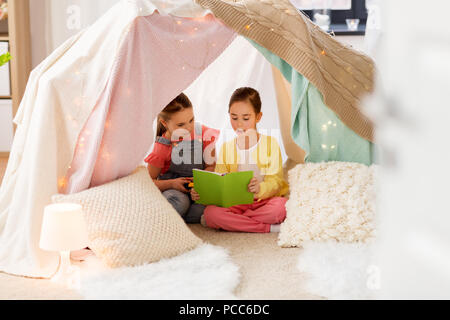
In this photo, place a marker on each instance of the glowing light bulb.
(62, 182)
(179, 22)
(333, 147)
(247, 27)
(323, 52)
(324, 146)
(324, 127)
(330, 122)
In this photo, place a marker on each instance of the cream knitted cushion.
(130, 222)
(334, 200)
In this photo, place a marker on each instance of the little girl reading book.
(181, 146)
(258, 153)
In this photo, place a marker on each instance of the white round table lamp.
(63, 230)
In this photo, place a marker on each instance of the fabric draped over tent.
(48, 125)
(87, 102)
(144, 80)
(79, 77)
(283, 91)
(316, 128)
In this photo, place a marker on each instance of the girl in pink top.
(181, 146)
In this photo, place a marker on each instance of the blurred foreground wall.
(412, 112)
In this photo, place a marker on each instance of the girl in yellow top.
(250, 151)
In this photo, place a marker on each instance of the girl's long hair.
(178, 104)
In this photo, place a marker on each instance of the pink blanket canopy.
(161, 56)
(87, 115)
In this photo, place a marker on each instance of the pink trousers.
(256, 217)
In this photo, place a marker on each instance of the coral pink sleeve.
(160, 155)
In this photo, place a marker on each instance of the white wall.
(6, 128)
(54, 21)
(412, 111)
(38, 25)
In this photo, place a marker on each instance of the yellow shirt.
(269, 161)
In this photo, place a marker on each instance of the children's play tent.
(86, 115)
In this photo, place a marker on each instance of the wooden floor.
(3, 162)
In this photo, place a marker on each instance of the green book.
(223, 190)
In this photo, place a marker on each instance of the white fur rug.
(340, 270)
(206, 273)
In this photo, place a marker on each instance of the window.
(322, 4)
(340, 9)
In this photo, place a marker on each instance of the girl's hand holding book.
(194, 195)
(178, 184)
(253, 186)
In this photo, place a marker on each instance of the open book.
(223, 190)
